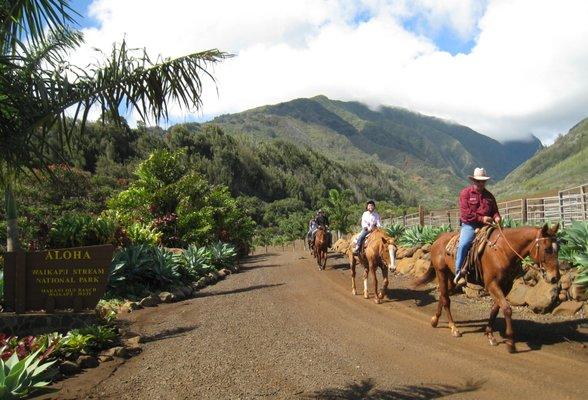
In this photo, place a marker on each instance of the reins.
(540, 269)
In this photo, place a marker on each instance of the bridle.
(536, 247)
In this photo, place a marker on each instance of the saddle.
(365, 243)
(472, 262)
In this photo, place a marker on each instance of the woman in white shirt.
(370, 220)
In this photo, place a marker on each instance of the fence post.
(404, 217)
(583, 199)
(449, 219)
(421, 215)
(561, 209)
(524, 210)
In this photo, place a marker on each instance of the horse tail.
(427, 277)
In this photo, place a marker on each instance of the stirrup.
(458, 277)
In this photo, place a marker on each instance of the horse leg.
(500, 299)
(325, 259)
(373, 270)
(446, 301)
(382, 293)
(490, 326)
(352, 267)
(366, 294)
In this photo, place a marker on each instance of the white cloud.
(527, 73)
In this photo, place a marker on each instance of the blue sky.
(507, 69)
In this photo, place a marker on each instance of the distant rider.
(370, 220)
(477, 206)
(322, 220)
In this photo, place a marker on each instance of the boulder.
(129, 306)
(105, 358)
(427, 256)
(542, 296)
(178, 294)
(341, 246)
(421, 266)
(426, 248)
(568, 308)
(566, 281)
(166, 297)
(474, 291)
(87, 361)
(418, 254)
(578, 292)
(222, 274)
(118, 351)
(517, 294)
(562, 296)
(410, 252)
(405, 265)
(401, 252)
(199, 284)
(150, 301)
(132, 341)
(69, 368)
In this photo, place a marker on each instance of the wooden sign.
(73, 278)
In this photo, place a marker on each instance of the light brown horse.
(321, 246)
(499, 264)
(380, 251)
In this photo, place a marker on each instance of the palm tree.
(339, 205)
(42, 95)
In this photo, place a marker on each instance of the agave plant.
(223, 255)
(574, 250)
(196, 261)
(395, 230)
(165, 267)
(510, 222)
(420, 235)
(129, 269)
(21, 377)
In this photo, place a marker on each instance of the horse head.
(389, 253)
(544, 252)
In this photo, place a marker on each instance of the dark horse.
(380, 251)
(499, 268)
(321, 243)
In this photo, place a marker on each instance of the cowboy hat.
(479, 175)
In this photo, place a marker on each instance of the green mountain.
(433, 155)
(562, 165)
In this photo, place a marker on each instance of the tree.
(339, 207)
(42, 95)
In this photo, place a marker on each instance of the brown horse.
(320, 247)
(379, 251)
(499, 268)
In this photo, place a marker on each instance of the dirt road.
(282, 329)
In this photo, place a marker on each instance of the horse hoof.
(377, 300)
(455, 333)
(511, 348)
(366, 296)
(493, 342)
(434, 322)
(380, 295)
(354, 292)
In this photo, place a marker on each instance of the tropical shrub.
(73, 230)
(20, 377)
(509, 222)
(142, 234)
(574, 249)
(89, 339)
(195, 262)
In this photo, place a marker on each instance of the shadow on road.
(421, 297)
(535, 334)
(169, 333)
(234, 291)
(366, 390)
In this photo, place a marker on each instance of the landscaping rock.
(542, 296)
(118, 351)
(178, 294)
(187, 289)
(566, 281)
(427, 256)
(568, 308)
(132, 341)
(199, 284)
(405, 265)
(150, 301)
(211, 278)
(531, 276)
(341, 246)
(401, 252)
(226, 270)
(222, 274)
(128, 307)
(421, 266)
(418, 254)
(578, 292)
(410, 252)
(517, 294)
(426, 248)
(474, 291)
(87, 361)
(166, 297)
(105, 358)
(69, 368)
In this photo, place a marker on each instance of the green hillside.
(562, 165)
(435, 156)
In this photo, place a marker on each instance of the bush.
(395, 230)
(421, 235)
(74, 230)
(574, 249)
